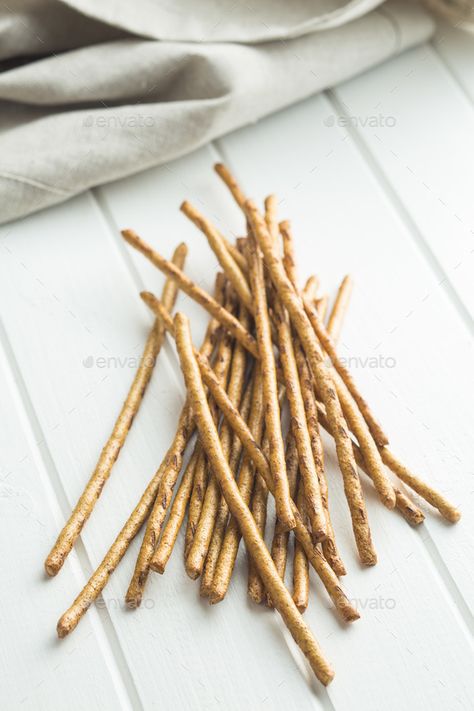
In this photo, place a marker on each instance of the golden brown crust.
(230, 322)
(324, 385)
(111, 450)
(253, 540)
(270, 387)
(339, 310)
(300, 562)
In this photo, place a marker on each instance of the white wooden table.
(392, 204)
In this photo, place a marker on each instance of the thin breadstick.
(322, 306)
(111, 450)
(338, 312)
(433, 497)
(230, 545)
(100, 577)
(224, 173)
(299, 426)
(270, 387)
(300, 563)
(271, 217)
(223, 510)
(253, 541)
(225, 259)
(279, 549)
(330, 348)
(310, 409)
(228, 320)
(323, 569)
(202, 538)
(258, 508)
(324, 385)
(407, 508)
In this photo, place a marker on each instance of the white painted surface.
(73, 325)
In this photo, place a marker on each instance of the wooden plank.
(74, 304)
(414, 124)
(344, 222)
(38, 672)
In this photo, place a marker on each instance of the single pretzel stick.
(201, 473)
(111, 450)
(433, 497)
(325, 386)
(338, 312)
(407, 508)
(202, 538)
(228, 320)
(119, 547)
(330, 348)
(225, 259)
(258, 508)
(270, 387)
(310, 409)
(253, 541)
(323, 569)
(223, 510)
(230, 545)
(279, 549)
(224, 173)
(271, 217)
(299, 426)
(300, 562)
(322, 306)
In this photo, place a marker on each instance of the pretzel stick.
(230, 545)
(299, 426)
(338, 312)
(325, 572)
(224, 173)
(407, 508)
(433, 497)
(279, 549)
(223, 510)
(329, 544)
(271, 217)
(225, 259)
(255, 545)
(258, 508)
(270, 388)
(324, 385)
(322, 306)
(111, 450)
(230, 322)
(201, 473)
(300, 562)
(202, 537)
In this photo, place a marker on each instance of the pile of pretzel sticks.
(267, 348)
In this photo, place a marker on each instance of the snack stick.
(338, 311)
(311, 287)
(322, 306)
(330, 348)
(271, 217)
(111, 450)
(289, 261)
(225, 259)
(223, 510)
(279, 549)
(202, 538)
(299, 426)
(216, 310)
(168, 481)
(270, 387)
(328, 545)
(323, 569)
(325, 387)
(230, 545)
(258, 508)
(119, 547)
(253, 541)
(433, 497)
(407, 508)
(224, 173)
(300, 562)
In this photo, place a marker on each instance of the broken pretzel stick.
(270, 387)
(324, 384)
(254, 543)
(111, 450)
